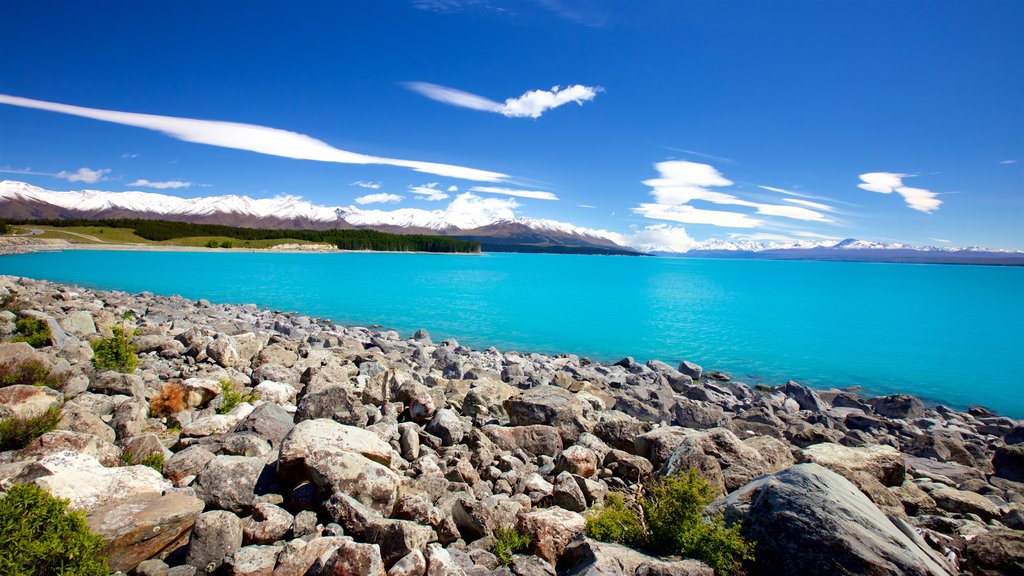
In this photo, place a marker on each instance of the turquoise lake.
(950, 334)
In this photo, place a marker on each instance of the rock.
(996, 553)
(334, 469)
(440, 563)
(898, 406)
(141, 447)
(214, 536)
(1008, 462)
(538, 439)
(254, 560)
(963, 502)
(485, 401)
(80, 323)
(143, 526)
(676, 379)
(805, 398)
(551, 406)
(268, 524)
(699, 415)
(77, 420)
(352, 559)
(412, 564)
(738, 462)
(446, 425)
(409, 440)
(567, 493)
(187, 463)
(621, 431)
(269, 421)
(112, 383)
(87, 484)
(588, 557)
(948, 472)
(222, 351)
(629, 467)
(530, 566)
(692, 370)
(229, 482)
(885, 463)
(577, 460)
(63, 441)
(27, 401)
(479, 519)
(300, 558)
(217, 423)
(807, 519)
(327, 435)
(276, 392)
(334, 402)
(551, 530)
(397, 538)
(129, 419)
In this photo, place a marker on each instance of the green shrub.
(226, 244)
(230, 398)
(508, 541)
(16, 433)
(673, 511)
(40, 537)
(32, 372)
(212, 244)
(617, 522)
(35, 332)
(115, 353)
(154, 461)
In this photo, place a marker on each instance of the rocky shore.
(368, 453)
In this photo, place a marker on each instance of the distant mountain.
(19, 200)
(851, 250)
(496, 231)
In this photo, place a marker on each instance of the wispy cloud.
(251, 137)
(169, 184)
(530, 105)
(809, 204)
(535, 194)
(941, 240)
(702, 155)
(803, 234)
(1007, 161)
(680, 183)
(84, 175)
(365, 184)
(888, 182)
(26, 171)
(381, 198)
(430, 191)
(129, 155)
(586, 206)
(585, 12)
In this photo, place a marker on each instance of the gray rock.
(412, 564)
(186, 463)
(551, 406)
(229, 482)
(215, 535)
(536, 439)
(397, 538)
(690, 369)
(269, 421)
(409, 440)
(551, 530)
(143, 526)
(885, 463)
(27, 401)
(354, 559)
(996, 553)
(77, 420)
(568, 494)
(129, 418)
(810, 520)
(1008, 462)
(898, 406)
(335, 402)
(268, 524)
(699, 415)
(254, 560)
(446, 425)
(117, 383)
(587, 557)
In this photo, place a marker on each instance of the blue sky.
(681, 120)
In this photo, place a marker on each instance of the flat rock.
(27, 401)
(87, 484)
(229, 482)
(885, 463)
(143, 526)
(551, 530)
(537, 439)
(996, 553)
(588, 557)
(323, 435)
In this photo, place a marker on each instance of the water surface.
(951, 334)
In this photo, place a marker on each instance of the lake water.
(951, 334)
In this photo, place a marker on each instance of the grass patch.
(154, 461)
(34, 332)
(670, 521)
(39, 536)
(31, 372)
(508, 541)
(16, 433)
(230, 398)
(115, 352)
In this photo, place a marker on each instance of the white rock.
(88, 484)
(276, 392)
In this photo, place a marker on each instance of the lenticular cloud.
(530, 105)
(888, 182)
(251, 137)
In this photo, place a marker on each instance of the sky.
(666, 122)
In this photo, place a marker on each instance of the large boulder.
(27, 401)
(214, 536)
(229, 482)
(587, 557)
(898, 406)
(552, 406)
(270, 421)
(143, 526)
(536, 439)
(738, 462)
(335, 469)
(885, 463)
(996, 553)
(327, 435)
(87, 484)
(807, 519)
(551, 530)
(66, 441)
(1008, 462)
(335, 402)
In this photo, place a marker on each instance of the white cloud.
(809, 204)
(657, 238)
(535, 194)
(681, 183)
(762, 237)
(941, 240)
(453, 188)
(816, 235)
(586, 206)
(429, 191)
(531, 104)
(85, 175)
(1007, 161)
(888, 182)
(161, 185)
(260, 139)
(365, 184)
(129, 155)
(381, 198)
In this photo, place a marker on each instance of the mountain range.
(497, 229)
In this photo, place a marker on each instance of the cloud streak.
(535, 194)
(381, 198)
(531, 104)
(430, 191)
(888, 182)
(168, 185)
(365, 184)
(84, 175)
(251, 137)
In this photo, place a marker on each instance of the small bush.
(16, 433)
(35, 332)
(170, 399)
(154, 461)
(212, 244)
(508, 541)
(617, 522)
(673, 510)
(31, 372)
(230, 398)
(40, 537)
(115, 353)
(226, 244)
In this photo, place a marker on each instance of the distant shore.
(26, 244)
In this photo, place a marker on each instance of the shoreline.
(484, 439)
(31, 245)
